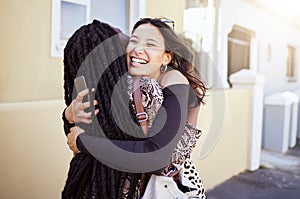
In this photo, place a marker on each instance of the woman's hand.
(72, 136)
(75, 112)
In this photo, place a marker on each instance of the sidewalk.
(277, 178)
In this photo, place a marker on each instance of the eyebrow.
(133, 36)
(150, 39)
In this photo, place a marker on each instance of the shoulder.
(172, 77)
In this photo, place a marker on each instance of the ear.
(167, 57)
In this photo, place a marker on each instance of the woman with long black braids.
(96, 51)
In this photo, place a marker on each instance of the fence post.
(248, 79)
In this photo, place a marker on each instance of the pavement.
(277, 178)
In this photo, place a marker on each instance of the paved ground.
(278, 178)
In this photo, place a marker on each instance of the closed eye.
(150, 45)
(132, 40)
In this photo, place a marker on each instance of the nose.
(139, 49)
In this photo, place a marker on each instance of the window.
(239, 40)
(67, 16)
(290, 67)
(196, 3)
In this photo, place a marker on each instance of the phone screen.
(80, 85)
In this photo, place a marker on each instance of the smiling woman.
(146, 52)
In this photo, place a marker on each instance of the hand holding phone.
(80, 85)
(83, 112)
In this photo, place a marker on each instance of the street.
(277, 178)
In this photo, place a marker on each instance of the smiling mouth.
(138, 60)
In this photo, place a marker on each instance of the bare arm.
(193, 115)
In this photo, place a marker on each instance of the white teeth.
(137, 60)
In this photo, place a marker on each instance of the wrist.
(69, 114)
(80, 144)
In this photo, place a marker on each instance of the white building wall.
(273, 34)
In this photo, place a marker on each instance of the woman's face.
(146, 52)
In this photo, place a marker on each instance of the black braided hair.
(102, 66)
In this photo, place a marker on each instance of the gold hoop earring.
(163, 68)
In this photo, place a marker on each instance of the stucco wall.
(33, 152)
(28, 72)
(34, 155)
(223, 148)
(167, 8)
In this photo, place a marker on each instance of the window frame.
(57, 45)
(290, 64)
(240, 37)
(135, 8)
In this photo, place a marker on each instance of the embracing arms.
(153, 152)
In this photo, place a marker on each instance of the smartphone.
(80, 85)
